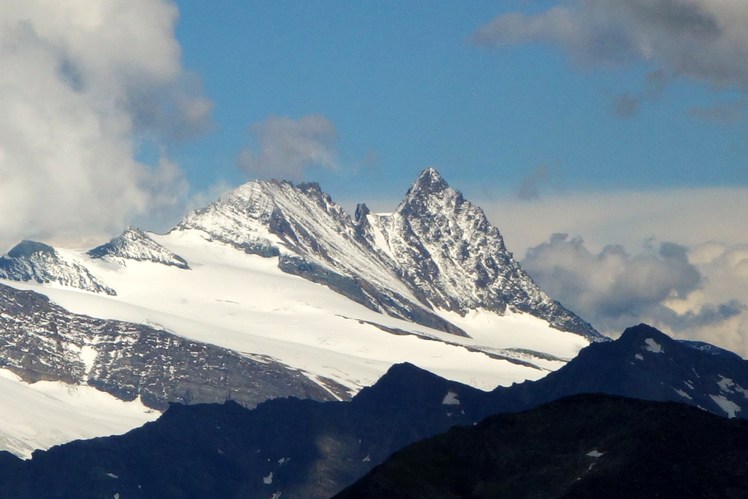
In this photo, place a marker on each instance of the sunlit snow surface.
(244, 302)
(47, 413)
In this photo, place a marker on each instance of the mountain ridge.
(585, 445)
(440, 252)
(278, 281)
(307, 449)
(494, 281)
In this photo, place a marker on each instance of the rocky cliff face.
(33, 261)
(41, 341)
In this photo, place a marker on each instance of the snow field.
(47, 413)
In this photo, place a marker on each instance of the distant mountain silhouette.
(308, 449)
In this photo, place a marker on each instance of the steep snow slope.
(246, 303)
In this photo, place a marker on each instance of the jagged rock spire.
(429, 181)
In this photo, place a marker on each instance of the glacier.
(279, 273)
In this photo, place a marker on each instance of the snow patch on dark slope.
(135, 244)
(34, 261)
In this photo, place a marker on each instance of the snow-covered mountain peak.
(436, 252)
(39, 262)
(284, 277)
(450, 252)
(134, 244)
(428, 182)
(313, 237)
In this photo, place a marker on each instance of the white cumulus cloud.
(84, 85)
(691, 293)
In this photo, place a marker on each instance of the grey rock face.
(33, 261)
(134, 244)
(42, 341)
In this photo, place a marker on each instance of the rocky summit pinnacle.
(455, 259)
(429, 181)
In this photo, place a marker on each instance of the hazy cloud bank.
(688, 216)
(708, 224)
(84, 86)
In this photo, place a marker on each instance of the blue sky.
(607, 140)
(406, 86)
